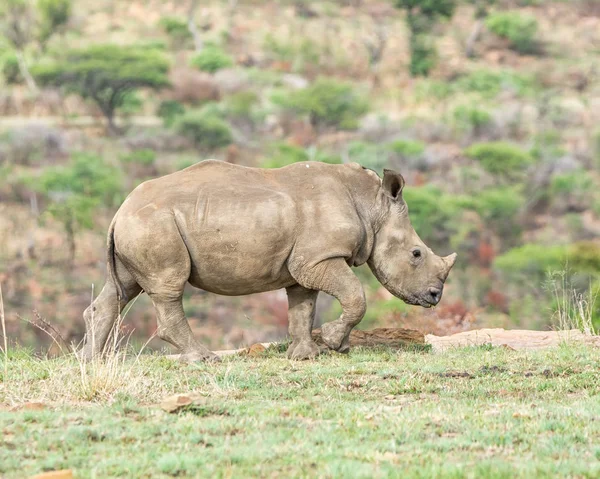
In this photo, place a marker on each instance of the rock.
(256, 350)
(393, 337)
(62, 474)
(30, 406)
(179, 401)
(511, 339)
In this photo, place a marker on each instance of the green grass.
(477, 412)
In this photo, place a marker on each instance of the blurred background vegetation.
(489, 108)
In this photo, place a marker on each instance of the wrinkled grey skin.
(234, 230)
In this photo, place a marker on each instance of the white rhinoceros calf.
(235, 230)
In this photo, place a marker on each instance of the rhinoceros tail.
(111, 262)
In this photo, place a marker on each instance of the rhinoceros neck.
(364, 188)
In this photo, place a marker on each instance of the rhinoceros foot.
(335, 335)
(199, 356)
(307, 349)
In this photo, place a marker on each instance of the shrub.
(169, 110)
(574, 191)
(211, 59)
(519, 29)
(408, 152)
(10, 68)
(500, 158)
(144, 157)
(284, 154)
(421, 16)
(423, 55)
(489, 83)
(407, 148)
(499, 208)
(533, 261)
(433, 214)
(77, 190)
(327, 102)
(471, 119)
(208, 132)
(241, 104)
(299, 53)
(369, 155)
(547, 145)
(177, 29)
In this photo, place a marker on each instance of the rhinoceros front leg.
(334, 277)
(301, 315)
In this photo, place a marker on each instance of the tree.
(106, 74)
(24, 24)
(54, 15)
(18, 26)
(421, 16)
(482, 8)
(76, 191)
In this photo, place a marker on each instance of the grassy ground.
(467, 413)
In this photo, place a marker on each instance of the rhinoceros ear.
(392, 184)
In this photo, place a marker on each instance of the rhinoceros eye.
(416, 253)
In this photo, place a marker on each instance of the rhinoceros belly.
(239, 239)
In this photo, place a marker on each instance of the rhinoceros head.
(401, 262)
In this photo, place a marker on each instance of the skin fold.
(234, 230)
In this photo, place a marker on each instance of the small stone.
(30, 406)
(256, 350)
(62, 474)
(178, 401)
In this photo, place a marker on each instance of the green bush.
(584, 256)
(76, 191)
(177, 29)
(241, 104)
(145, 157)
(574, 191)
(207, 132)
(211, 59)
(298, 52)
(423, 55)
(10, 68)
(408, 152)
(407, 148)
(500, 158)
(490, 83)
(169, 110)
(532, 261)
(471, 118)
(434, 215)
(500, 208)
(519, 29)
(327, 102)
(547, 145)
(284, 154)
(369, 155)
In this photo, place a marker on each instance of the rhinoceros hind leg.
(301, 315)
(334, 277)
(100, 316)
(174, 328)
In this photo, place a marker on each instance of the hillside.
(496, 129)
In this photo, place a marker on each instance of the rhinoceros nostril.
(434, 295)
